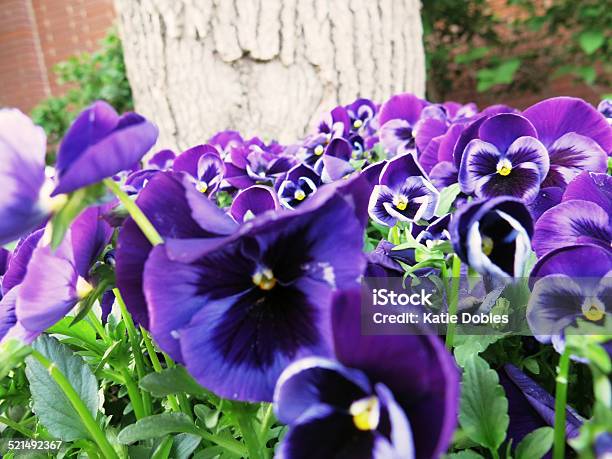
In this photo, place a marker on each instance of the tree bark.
(264, 67)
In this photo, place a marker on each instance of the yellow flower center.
(83, 288)
(264, 279)
(400, 202)
(299, 195)
(504, 167)
(202, 187)
(319, 149)
(487, 245)
(357, 124)
(593, 309)
(366, 413)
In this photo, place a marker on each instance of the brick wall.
(37, 34)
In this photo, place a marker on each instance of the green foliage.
(484, 407)
(89, 77)
(535, 444)
(50, 403)
(520, 47)
(157, 426)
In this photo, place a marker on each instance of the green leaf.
(446, 199)
(52, 407)
(163, 449)
(484, 407)
(184, 445)
(467, 345)
(591, 40)
(156, 426)
(12, 353)
(536, 444)
(172, 381)
(472, 55)
(465, 454)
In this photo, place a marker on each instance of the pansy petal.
(187, 161)
(426, 385)
(326, 433)
(396, 171)
(48, 291)
(555, 117)
(479, 160)
(22, 149)
(590, 186)
(523, 182)
(444, 174)
(546, 199)
(503, 129)
(563, 261)
(426, 130)
(402, 106)
(316, 380)
(571, 154)
(253, 201)
(381, 195)
(555, 302)
(18, 264)
(90, 234)
(162, 160)
(572, 222)
(98, 145)
(396, 136)
(529, 150)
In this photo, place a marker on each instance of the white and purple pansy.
(253, 201)
(398, 117)
(300, 182)
(204, 166)
(403, 193)
(506, 159)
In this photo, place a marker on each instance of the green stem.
(17, 427)
(97, 325)
(560, 404)
(453, 300)
(157, 366)
(88, 420)
(394, 235)
(229, 444)
(266, 422)
(137, 215)
(251, 440)
(133, 393)
(137, 351)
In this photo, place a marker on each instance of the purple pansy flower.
(312, 149)
(56, 280)
(204, 165)
(255, 163)
(176, 210)
(547, 198)
(335, 162)
(336, 123)
(403, 193)
(593, 187)
(253, 201)
(493, 236)
(564, 290)
(371, 402)
(300, 182)
(361, 113)
(162, 160)
(398, 117)
(99, 144)
(577, 137)
(24, 203)
(506, 159)
(259, 300)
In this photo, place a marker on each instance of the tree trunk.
(265, 67)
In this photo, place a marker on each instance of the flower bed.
(217, 302)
